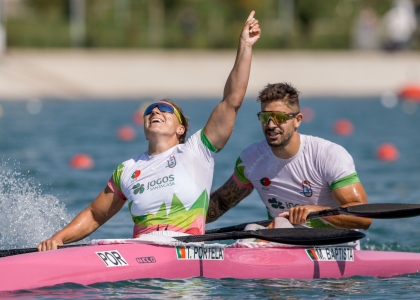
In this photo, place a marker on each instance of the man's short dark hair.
(283, 92)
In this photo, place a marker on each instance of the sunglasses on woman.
(163, 107)
(277, 116)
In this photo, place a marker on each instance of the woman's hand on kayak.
(50, 244)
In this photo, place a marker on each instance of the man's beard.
(285, 140)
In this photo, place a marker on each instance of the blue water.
(40, 192)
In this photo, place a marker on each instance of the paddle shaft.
(374, 211)
(10, 252)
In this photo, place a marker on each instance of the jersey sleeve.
(239, 174)
(114, 183)
(203, 149)
(339, 169)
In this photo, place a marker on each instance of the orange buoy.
(81, 161)
(410, 92)
(387, 152)
(126, 133)
(343, 127)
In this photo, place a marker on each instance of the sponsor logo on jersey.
(161, 182)
(306, 189)
(171, 162)
(275, 204)
(136, 174)
(281, 205)
(154, 184)
(265, 181)
(138, 188)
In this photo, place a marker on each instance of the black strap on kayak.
(292, 236)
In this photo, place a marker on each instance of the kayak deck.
(117, 262)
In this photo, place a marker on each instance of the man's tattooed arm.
(224, 198)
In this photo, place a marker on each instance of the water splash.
(27, 216)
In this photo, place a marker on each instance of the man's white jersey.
(308, 178)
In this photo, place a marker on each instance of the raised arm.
(219, 127)
(106, 205)
(224, 198)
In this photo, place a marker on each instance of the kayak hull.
(116, 262)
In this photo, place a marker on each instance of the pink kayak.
(116, 262)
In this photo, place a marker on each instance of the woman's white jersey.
(168, 191)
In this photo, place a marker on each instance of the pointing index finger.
(251, 15)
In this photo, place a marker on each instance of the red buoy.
(81, 161)
(126, 133)
(387, 152)
(410, 92)
(343, 127)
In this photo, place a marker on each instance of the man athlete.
(294, 174)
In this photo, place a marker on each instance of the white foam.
(27, 215)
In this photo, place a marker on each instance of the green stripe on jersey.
(207, 143)
(345, 181)
(317, 223)
(116, 176)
